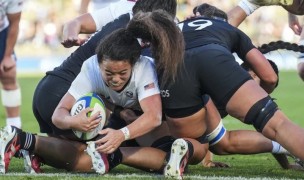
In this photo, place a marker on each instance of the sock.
(248, 7)
(114, 159)
(14, 121)
(27, 141)
(278, 149)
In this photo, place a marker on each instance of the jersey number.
(198, 24)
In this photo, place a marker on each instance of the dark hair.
(210, 11)
(166, 39)
(274, 66)
(276, 45)
(150, 5)
(273, 46)
(119, 45)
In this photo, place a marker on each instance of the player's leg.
(47, 93)
(10, 91)
(192, 127)
(11, 97)
(260, 110)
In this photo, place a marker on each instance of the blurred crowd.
(42, 22)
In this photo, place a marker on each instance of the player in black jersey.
(227, 145)
(210, 68)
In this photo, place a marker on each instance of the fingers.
(70, 42)
(110, 142)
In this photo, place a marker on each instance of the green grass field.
(290, 99)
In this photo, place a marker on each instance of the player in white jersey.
(120, 67)
(126, 79)
(93, 5)
(10, 14)
(90, 22)
(142, 83)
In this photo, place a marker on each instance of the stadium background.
(39, 49)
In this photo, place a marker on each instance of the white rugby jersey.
(9, 7)
(112, 11)
(143, 83)
(98, 4)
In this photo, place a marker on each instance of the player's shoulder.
(145, 60)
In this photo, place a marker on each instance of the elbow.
(54, 121)
(273, 81)
(269, 84)
(157, 120)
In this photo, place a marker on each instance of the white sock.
(248, 7)
(14, 121)
(278, 149)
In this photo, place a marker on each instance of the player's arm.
(84, 5)
(262, 68)
(61, 116)
(62, 119)
(82, 24)
(150, 119)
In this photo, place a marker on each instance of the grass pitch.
(290, 99)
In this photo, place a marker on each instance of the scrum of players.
(153, 73)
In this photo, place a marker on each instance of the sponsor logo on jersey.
(129, 94)
(165, 93)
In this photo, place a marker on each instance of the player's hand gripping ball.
(94, 101)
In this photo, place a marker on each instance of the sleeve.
(15, 6)
(105, 15)
(244, 45)
(146, 80)
(81, 84)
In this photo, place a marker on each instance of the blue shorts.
(3, 37)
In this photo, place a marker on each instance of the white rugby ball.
(94, 101)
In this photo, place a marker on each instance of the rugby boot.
(178, 160)
(99, 160)
(10, 144)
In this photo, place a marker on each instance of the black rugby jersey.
(201, 31)
(71, 66)
(209, 66)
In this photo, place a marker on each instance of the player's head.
(255, 77)
(117, 53)
(150, 5)
(166, 40)
(210, 11)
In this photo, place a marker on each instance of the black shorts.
(220, 75)
(209, 69)
(47, 95)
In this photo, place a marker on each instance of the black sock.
(114, 159)
(27, 141)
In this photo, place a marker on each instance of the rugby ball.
(94, 101)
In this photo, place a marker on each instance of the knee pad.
(217, 134)
(164, 143)
(260, 113)
(11, 98)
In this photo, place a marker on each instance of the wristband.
(126, 132)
